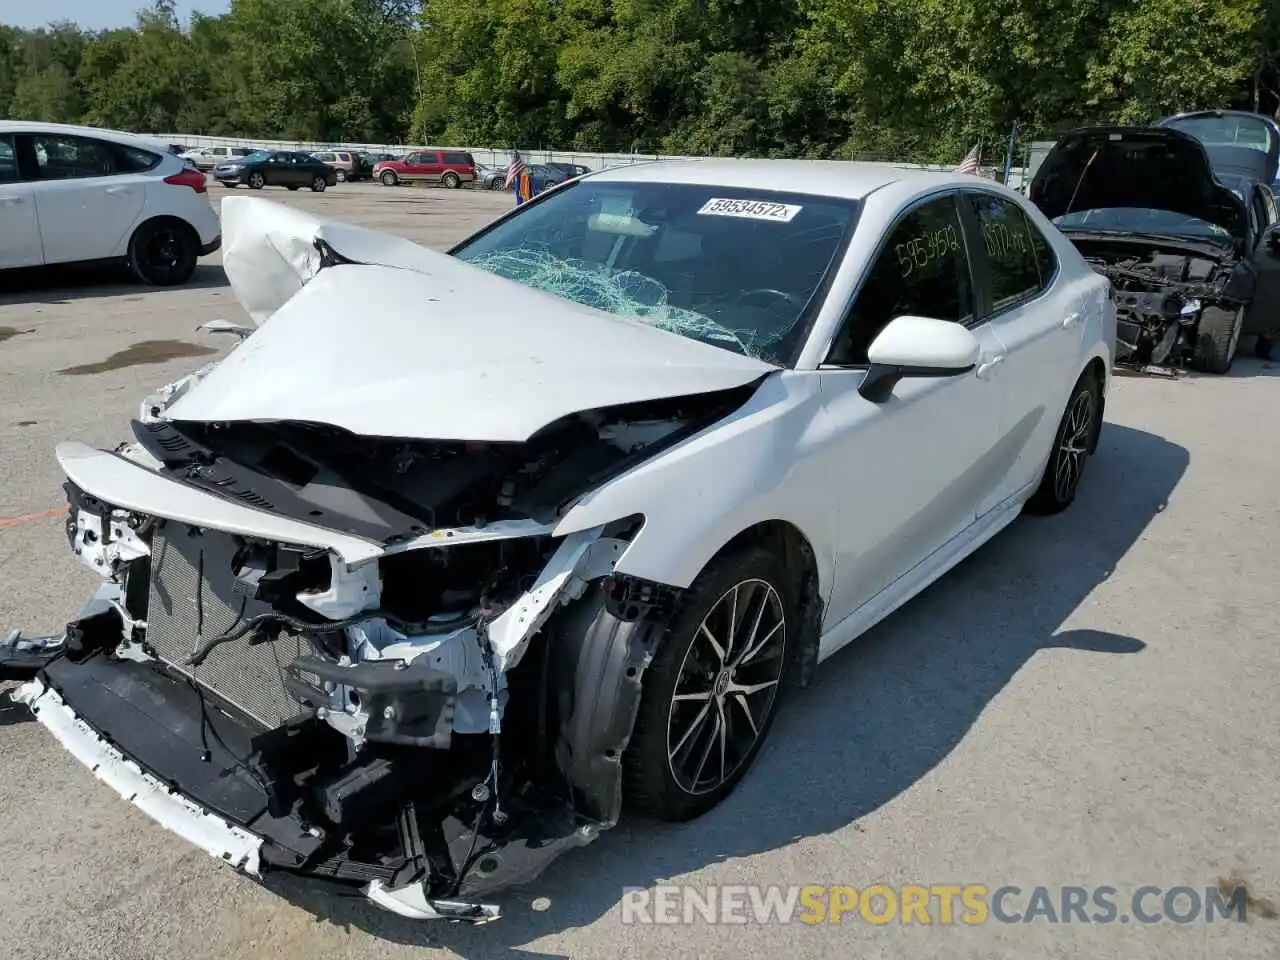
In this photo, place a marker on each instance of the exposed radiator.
(248, 675)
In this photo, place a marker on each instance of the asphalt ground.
(1088, 702)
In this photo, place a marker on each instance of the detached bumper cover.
(170, 809)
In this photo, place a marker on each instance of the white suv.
(206, 158)
(76, 194)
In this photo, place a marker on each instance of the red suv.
(452, 168)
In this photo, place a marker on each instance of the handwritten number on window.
(920, 251)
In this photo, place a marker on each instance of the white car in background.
(71, 194)
(459, 555)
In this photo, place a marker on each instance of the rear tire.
(1262, 347)
(1072, 446)
(450, 180)
(388, 178)
(1217, 337)
(703, 694)
(341, 175)
(163, 253)
(318, 185)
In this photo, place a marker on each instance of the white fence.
(489, 156)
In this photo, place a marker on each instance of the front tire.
(711, 692)
(163, 253)
(257, 181)
(1072, 446)
(1217, 337)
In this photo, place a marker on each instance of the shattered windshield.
(736, 268)
(1141, 220)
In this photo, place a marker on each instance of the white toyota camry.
(456, 556)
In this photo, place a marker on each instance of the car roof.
(846, 179)
(101, 133)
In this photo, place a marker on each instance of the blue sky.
(95, 14)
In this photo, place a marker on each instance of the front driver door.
(909, 474)
(278, 171)
(1262, 316)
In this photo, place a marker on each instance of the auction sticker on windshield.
(750, 209)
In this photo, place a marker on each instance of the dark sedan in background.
(544, 174)
(276, 168)
(1244, 153)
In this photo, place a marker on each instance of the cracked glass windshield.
(730, 267)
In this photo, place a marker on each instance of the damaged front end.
(1163, 293)
(400, 723)
(364, 657)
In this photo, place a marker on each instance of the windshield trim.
(804, 321)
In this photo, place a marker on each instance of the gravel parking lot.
(1088, 701)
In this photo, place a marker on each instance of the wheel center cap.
(722, 683)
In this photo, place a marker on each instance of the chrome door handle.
(1069, 320)
(984, 369)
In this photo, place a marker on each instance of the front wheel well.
(598, 648)
(786, 541)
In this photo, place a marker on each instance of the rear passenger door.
(431, 167)
(1041, 328)
(88, 193)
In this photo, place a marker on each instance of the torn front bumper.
(173, 811)
(218, 807)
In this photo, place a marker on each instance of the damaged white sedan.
(456, 556)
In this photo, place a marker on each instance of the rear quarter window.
(133, 159)
(8, 161)
(459, 159)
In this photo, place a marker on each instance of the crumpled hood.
(412, 343)
(1152, 168)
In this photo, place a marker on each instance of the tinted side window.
(1046, 261)
(8, 161)
(457, 158)
(1011, 256)
(922, 270)
(132, 159)
(70, 158)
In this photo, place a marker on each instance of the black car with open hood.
(1143, 205)
(1138, 168)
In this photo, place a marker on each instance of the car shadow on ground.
(883, 714)
(61, 284)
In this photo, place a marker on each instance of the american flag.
(970, 162)
(514, 169)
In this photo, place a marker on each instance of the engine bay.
(1161, 295)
